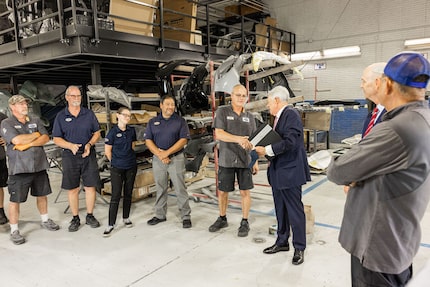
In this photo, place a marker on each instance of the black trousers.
(121, 180)
(363, 277)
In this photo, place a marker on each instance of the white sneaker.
(108, 231)
(128, 223)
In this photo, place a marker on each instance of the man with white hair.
(288, 171)
(368, 84)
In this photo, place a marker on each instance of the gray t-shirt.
(28, 161)
(232, 154)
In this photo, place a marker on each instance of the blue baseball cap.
(404, 67)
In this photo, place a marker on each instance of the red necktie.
(372, 121)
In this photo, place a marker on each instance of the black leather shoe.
(186, 223)
(299, 257)
(275, 249)
(155, 220)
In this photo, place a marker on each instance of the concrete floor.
(168, 255)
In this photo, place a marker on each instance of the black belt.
(176, 153)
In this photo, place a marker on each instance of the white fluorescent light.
(418, 43)
(316, 55)
(327, 54)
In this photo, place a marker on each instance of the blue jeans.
(121, 179)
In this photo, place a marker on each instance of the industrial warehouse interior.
(132, 52)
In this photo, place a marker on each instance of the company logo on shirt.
(245, 119)
(18, 127)
(118, 135)
(32, 126)
(230, 118)
(156, 123)
(68, 120)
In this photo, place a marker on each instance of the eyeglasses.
(241, 95)
(126, 115)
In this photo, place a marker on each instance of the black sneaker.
(243, 229)
(186, 223)
(155, 220)
(218, 224)
(74, 224)
(3, 218)
(92, 221)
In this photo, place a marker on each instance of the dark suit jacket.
(289, 167)
(367, 120)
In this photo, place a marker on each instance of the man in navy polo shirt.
(77, 130)
(165, 136)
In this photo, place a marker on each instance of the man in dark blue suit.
(288, 171)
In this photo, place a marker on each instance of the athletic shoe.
(17, 238)
(128, 222)
(108, 231)
(50, 225)
(3, 218)
(218, 224)
(243, 229)
(74, 224)
(92, 221)
(186, 223)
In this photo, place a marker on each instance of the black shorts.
(76, 167)
(226, 177)
(20, 184)
(3, 172)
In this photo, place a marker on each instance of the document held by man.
(264, 135)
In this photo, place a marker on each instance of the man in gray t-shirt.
(233, 125)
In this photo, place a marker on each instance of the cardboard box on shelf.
(232, 10)
(262, 35)
(144, 177)
(317, 120)
(138, 193)
(284, 46)
(178, 21)
(133, 11)
(151, 108)
(142, 192)
(137, 117)
(249, 9)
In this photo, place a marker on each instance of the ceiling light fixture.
(341, 52)
(417, 44)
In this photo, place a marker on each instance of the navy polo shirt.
(123, 155)
(77, 130)
(166, 132)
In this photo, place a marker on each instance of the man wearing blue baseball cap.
(391, 189)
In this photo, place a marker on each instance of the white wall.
(379, 27)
